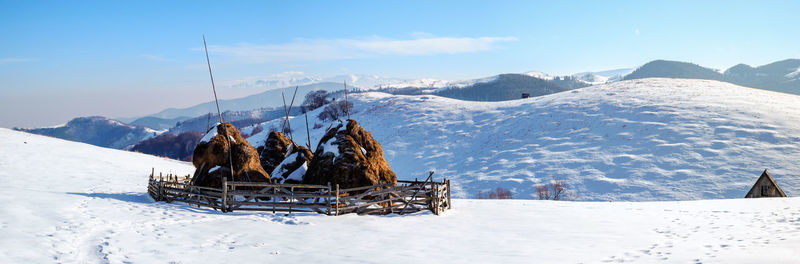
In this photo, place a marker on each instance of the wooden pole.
(328, 199)
(337, 199)
(212, 79)
(225, 195)
(346, 103)
(308, 132)
(449, 205)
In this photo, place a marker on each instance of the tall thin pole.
(346, 102)
(308, 133)
(219, 113)
(286, 121)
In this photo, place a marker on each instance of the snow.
(638, 140)
(212, 132)
(330, 146)
(89, 205)
(280, 170)
(540, 75)
(298, 174)
(795, 73)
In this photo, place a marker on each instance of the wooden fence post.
(337, 199)
(449, 206)
(435, 188)
(225, 195)
(291, 199)
(328, 199)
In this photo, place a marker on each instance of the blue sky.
(64, 59)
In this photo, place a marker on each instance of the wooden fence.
(405, 197)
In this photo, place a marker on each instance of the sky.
(65, 59)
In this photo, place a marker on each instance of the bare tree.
(554, 190)
(498, 193)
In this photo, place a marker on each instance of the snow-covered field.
(639, 140)
(67, 202)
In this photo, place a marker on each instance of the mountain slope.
(157, 123)
(646, 139)
(510, 87)
(674, 69)
(85, 204)
(98, 131)
(269, 98)
(781, 76)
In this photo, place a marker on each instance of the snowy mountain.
(237, 118)
(85, 204)
(508, 87)
(98, 131)
(602, 77)
(637, 140)
(269, 98)
(780, 76)
(674, 69)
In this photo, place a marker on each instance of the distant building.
(765, 187)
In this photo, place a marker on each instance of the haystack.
(212, 161)
(286, 160)
(275, 149)
(349, 156)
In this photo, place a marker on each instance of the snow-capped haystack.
(212, 161)
(294, 166)
(275, 149)
(286, 160)
(349, 156)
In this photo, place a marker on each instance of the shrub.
(554, 190)
(498, 193)
(256, 130)
(314, 100)
(335, 110)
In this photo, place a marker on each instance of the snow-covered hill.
(68, 202)
(98, 131)
(647, 139)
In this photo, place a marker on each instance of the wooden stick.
(224, 194)
(212, 79)
(337, 199)
(346, 103)
(308, 132)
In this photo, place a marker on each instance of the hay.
(286, 160)
(354, 159)
(215, 153)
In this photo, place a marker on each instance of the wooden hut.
(765, 187)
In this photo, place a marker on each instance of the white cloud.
(335, 49)
(13, 60)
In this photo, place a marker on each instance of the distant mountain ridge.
(780, 76)
(511, 86)
(98, 131)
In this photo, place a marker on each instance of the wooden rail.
(405, 197)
